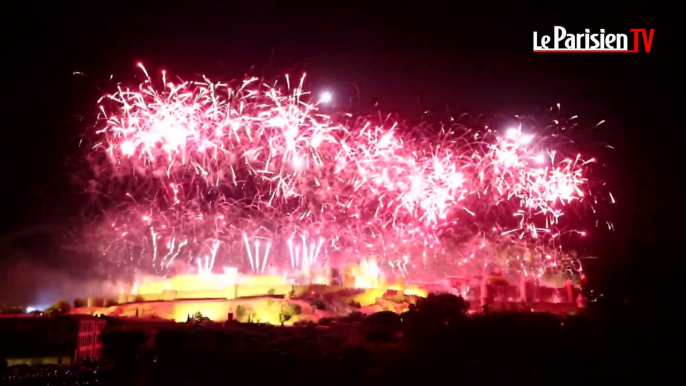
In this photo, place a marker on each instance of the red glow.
(255, 172)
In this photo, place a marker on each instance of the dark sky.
(456, 55)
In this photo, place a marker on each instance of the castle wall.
(215, 310)
(243, 291)
(262, 309)
(321, 289)
(95, 302)
(525, 291)
(226, 293)
(149, 297)
(251, 290)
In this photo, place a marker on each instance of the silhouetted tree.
(353, 317)
(384, 318)
(382, 326)
(441, 309)
(78, 302)
(242, 314)
(199, 318)
(318, 304)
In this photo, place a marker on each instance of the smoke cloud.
(36, 271)
(39, 286)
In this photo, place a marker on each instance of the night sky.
(431, 57)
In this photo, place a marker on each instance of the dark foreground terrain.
(434, 344)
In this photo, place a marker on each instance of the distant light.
(540, 158)
(326, 97)
(30, 310)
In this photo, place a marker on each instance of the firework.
(212, 174)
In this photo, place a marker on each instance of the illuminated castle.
(227, 296)
(233, 285)
(230, 295)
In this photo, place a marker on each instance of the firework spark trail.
(266, 257)
(212, 162)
